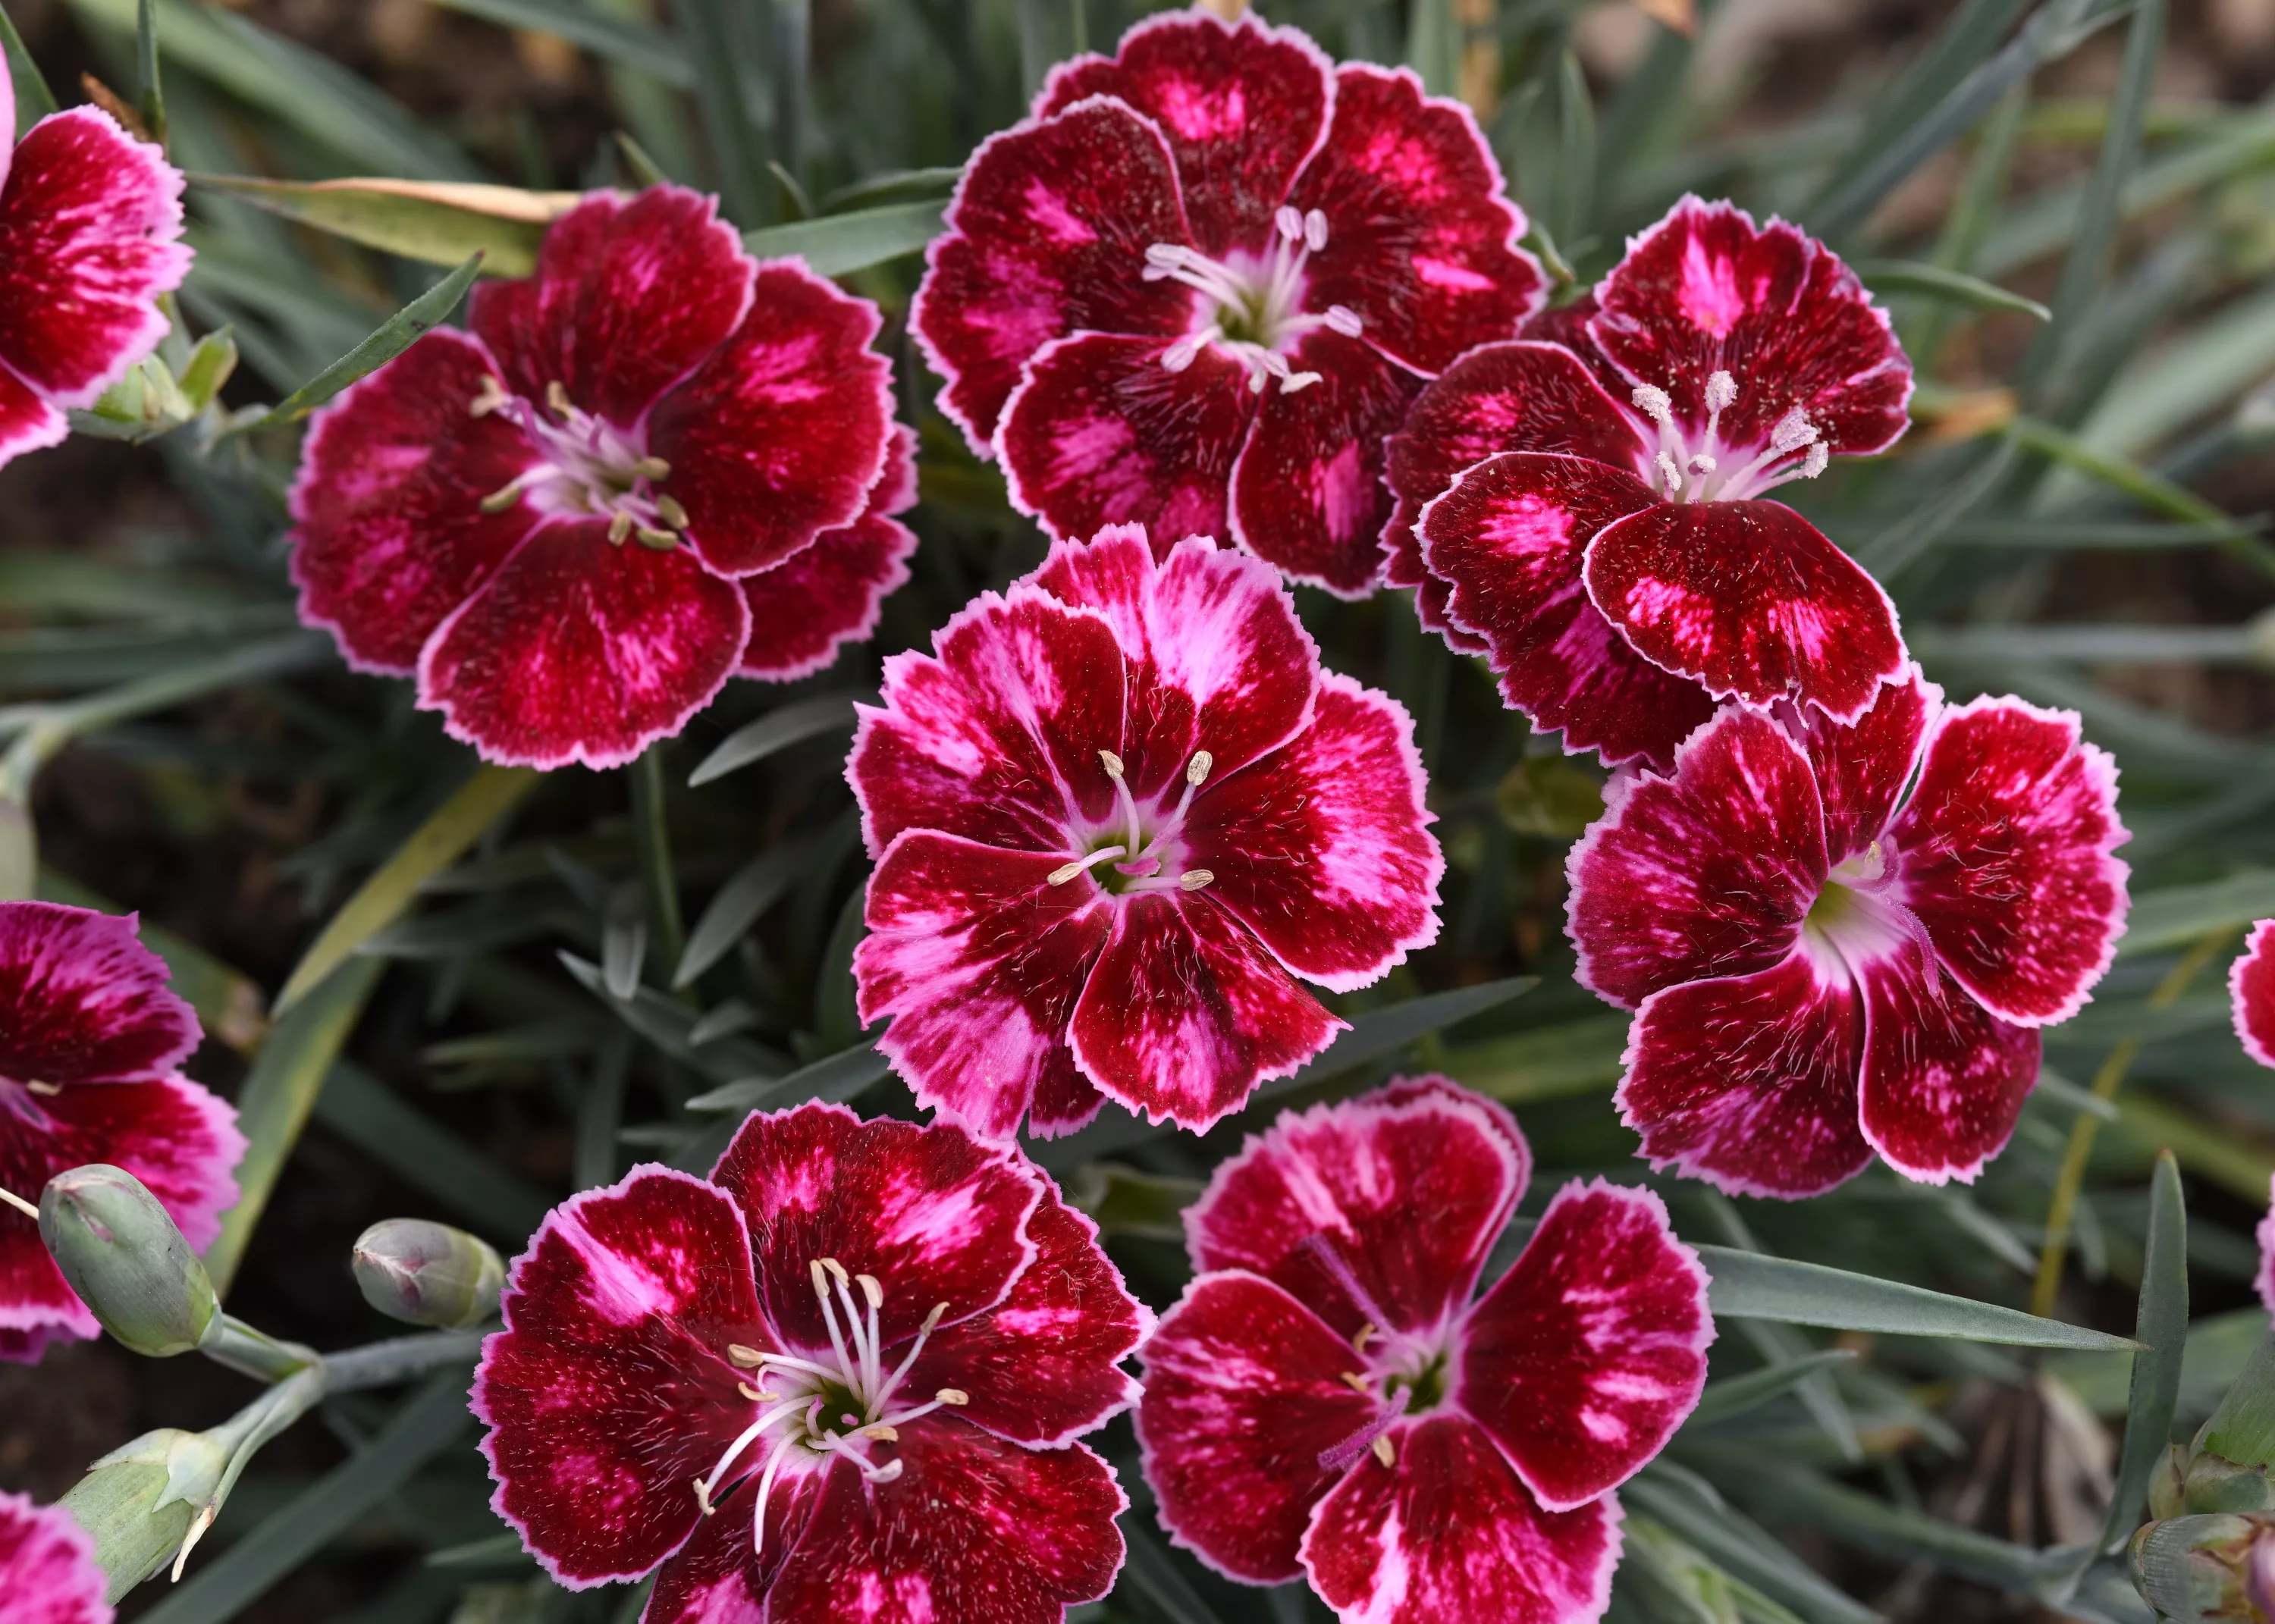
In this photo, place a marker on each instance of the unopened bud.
(128, 1262)
(138, 1501)
(2214, 1570)
(2214, 1484)
(428, 1275)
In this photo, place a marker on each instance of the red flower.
(1200, 284)
(2251, 994)
(841, 1380)
(48, 1570)
(1116, 815)
(1606, 473)
(1823, 966)
(89, 223)
(90, 1040)
(1327, 1400)
(653, 463)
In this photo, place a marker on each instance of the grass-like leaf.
(1750, 1285)
(438, 223)
(779, 730)
(393, 337)
(837, 244)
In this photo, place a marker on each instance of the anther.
(1198, 768)
(1656, 404)
(499, 500)
(1315, 230)
(652, 468)
(1112, 764)
(751, 1392)
(619, 527)
(1355, 1382)
(954, 1398)
(1195, 880)
(1384, 1453)
(1671, 471)
(46, 1091)
(871, 1289)
(1291, 222)
(820, 1277)
(932, 1319)
(1814, 463)
(661, 540)
(703, 1497)
(557, 396)
(1793, 431)
(1721, 392)
(882, 1433)
(748, 1358)
(1702, 464)
(1367, 1333)
(491, 397)
(1343, 320)
(673, 515)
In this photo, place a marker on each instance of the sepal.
(139, 1500)
(2196, 1570)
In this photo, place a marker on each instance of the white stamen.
(1721, 392)
(1656, 404)
(1113, 768)
(1198, 768)
(1065, 872)
(1385, 1452)
(1291, 222)
(1343, 319)
(1671, 471)
(1315, 230)
(1814, 463)
(1793, 431)
(1194, 880)
(1702, 465)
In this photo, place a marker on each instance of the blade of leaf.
(778, 729)
(1155, 1574)
(428, 1156)
(485, 797)
(393, 337)
(740, 904)
(837, 244)
(437, 224)
(1737, 1395)
(33, 100)
(619, 39)
(150, 94)
(1971, 35)
(1750, 1285)
(835, 1078)
(711, 34)
(1935, 282)
(1689, 1505)
(2161, 1325)
(2174, 916)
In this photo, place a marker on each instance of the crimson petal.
(83, 1001)
(27, 423)
(1863, 767)
(1708, 873)
(88, 219)
(1450, 1532)
(1944, 1078)
(936, 1216)
(630, 296)
(807, 607)
(1410, 1191)
(1041, 1366)
(1046, 236)
(717, 1577)
(579, 649)
(1321, 848)
(1421, 235)
(1508, 540)
(1705, 289)
(1244, 1391)
(974, 1529)
(1748, 598)
(1186, 1012)
(389, 533)
(1242, 106)
(1586, 1356)
(1307, 492)
(1750, 1082)
(2005, 854)
(2251, 994)
(609, 1392)
(48, 1570)
(1100, 433)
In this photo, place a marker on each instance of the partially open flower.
(851, 1365)
(1196, 288)
(90, 1037)
(90, 220)
(47, 1572)
(1117, 815)
(652, 465)
(1589, 503)
(1838, 941)
(1328, 1400)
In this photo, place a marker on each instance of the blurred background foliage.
(520, 986)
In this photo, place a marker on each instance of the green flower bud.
(2214, 1570)
(138, 1501)
(428, 1275)
(127, 1261)
(2213, 1483)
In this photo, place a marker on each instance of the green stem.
(653, 836)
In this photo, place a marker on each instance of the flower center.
(840, 1400)
(1407, 1373)
(1252, 309)
(1709, 470)
(1134, 853)
(589, 468)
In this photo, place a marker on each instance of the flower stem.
(653, 836)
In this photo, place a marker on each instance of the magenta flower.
(90, 222)
(1116, 815)
(1822, 965)
(1587, 503)
(90, 1041)
(48, 1571)
(2251, 994)
(841, 1380)
(1327, 1400)
(1200, 284)
(652, 464)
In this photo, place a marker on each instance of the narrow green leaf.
(837, 244)
(1749, 1285)
(1973, 31)
(2161, 1326)
(1689, 1505)
(666, 1022)
(1737, 1395)
(1154, 1573)
(424, 1427)
(2120, 474)
(2056, 535)
(1121, 1200)
(778, 729)
(278, 1095)
(1433, 46)
(393, 337)
(713, 33)
(2174, 916)
(600, 1113)
(428, 1156)
(150, 96)
(835, 1078)
(741, 902)
(1934, 282)
(485, 797)
(33, 100)
(1545, 1063)
(436, 224)
(893, 187)
(619, 39)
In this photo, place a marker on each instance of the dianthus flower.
(1587, 503)
(843, 1379)
(90, 1041)
(652, 464)
(1200, 284)
(90, 220)
(48, 1570)
(1115, 814)
(2251, 994)
(1327, 1400)
(1823, 964)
